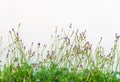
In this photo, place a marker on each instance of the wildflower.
(48, 55)
(74, 47)
(71, 45)
(30, 52)
(16, 59)
(8, 50)
(111, 48)
(38, 45)
(18, 65)
(48, 51)
(12, 50)
(112, 72)
(24, 47)
(117, 36)
(70, 26)
(45, 45)
(13, 30)
(73, 54)
(33, 64)
(81, 66)
(17, 34)
(33, 53)
(10, 32)
(32, 44)
(82, 57)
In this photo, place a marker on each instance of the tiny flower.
(111, 57)
(18, 65)
(71, 45)
(8, 50)
(17, 34)
(81, 66)
(73, 54)
(112, 72)
(82, 57)
(12, 50)
(48, 55)
(33, 64)
(70, 26)
(32, 43)
(33, 53)
(38, 44)
(111, 48)
(10, 32)
(117, 36)
(75, 47)
(45, 45)
(13, 29)
(48, 51)
(24, 47)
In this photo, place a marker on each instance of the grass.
(70, 58)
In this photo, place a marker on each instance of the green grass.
(70, 58)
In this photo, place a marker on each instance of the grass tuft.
(71, 58)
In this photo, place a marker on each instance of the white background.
(40, 17)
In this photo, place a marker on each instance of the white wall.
(40, 17)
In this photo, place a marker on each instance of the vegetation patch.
(70, 58)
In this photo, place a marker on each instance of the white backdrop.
(40, 17)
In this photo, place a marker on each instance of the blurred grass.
(70, 58)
